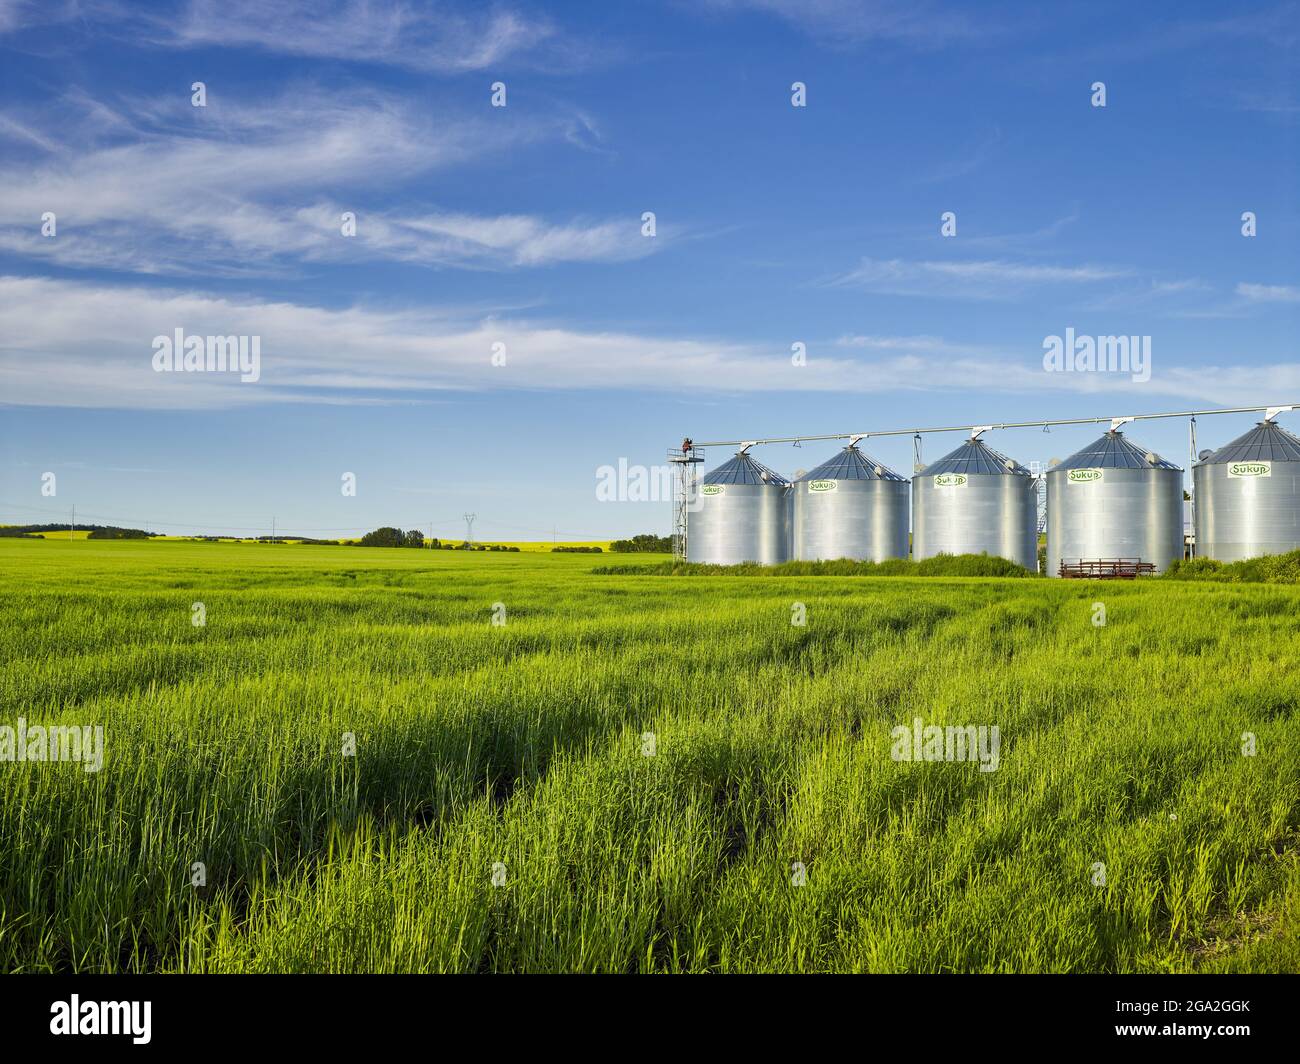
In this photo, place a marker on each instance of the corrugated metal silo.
(1114, 499)
(850, 507)
(742, 514)
(975, 501)
(1248, 496)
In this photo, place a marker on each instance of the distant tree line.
(96, 531)
(392, 537)
(395, 537)
(647, 543)
(287, 539)
(576, 550)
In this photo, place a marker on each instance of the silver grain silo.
(1111, 500)
(849, 507)
(1248, 496)
(975, 501)
(742, 514)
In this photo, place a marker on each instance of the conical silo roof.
(1114, 451)
(744, 469)
(975, 456)
(1266, 442)
(851, 464)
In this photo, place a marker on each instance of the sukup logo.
(711, 489)
(823, 485)
(1084, 476)
(1250, 469)
(950, 480)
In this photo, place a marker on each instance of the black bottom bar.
(377, 1013)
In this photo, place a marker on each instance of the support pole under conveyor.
(685, 461)
(1191, 541)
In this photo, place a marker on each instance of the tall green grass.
(1266, 569)
(939, 565)
(520, 751)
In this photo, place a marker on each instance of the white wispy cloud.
(429, 36)
(1008, 243)
(1270, 101)
(1269, 293)
(436, 37)
(1177, 297)
(238, 189)
(931, 363)
(1272, 26)
(911, 344)
(13, 13)
(967, 162)
(967, 279)
(852, 22)
(502, 240)
(90, 345)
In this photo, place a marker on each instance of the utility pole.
(72, 532)
(469, 528)
(272, 529)
(1191, 428)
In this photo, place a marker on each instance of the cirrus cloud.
(238, 189)
(77, 344)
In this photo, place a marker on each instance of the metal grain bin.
(1248, 496)
(742, 514)
(1114, 499)
(849, 507)
(976, 501)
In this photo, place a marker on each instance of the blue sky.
(522, 225)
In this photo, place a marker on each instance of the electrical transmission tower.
(469, 528)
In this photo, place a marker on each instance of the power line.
(544, 531)
(135, 522)
(188, 524)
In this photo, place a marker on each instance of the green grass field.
(506, 808)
